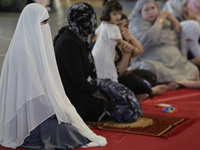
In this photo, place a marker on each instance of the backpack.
(124, 105)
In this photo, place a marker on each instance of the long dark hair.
(109, 7)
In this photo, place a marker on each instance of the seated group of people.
(164, 43)
(48, 89)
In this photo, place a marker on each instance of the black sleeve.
(72, 58)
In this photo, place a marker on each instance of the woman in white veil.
(34, 110)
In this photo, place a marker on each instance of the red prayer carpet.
(187, 101)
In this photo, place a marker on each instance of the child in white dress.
(119, 96)
(108, 35)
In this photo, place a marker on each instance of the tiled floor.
(8, 20)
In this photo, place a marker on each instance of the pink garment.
(194, 5)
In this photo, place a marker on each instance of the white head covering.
(30, 86)
(175, 7)
(191, 32)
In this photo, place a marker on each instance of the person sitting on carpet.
(35, 112)
(164, 48)
(138, 80)
(76, 64)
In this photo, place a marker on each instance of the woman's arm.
(162, 16)
(123, 64)
(132, 49)
(132, 40)
(128, 50)
(126, 46)
(174, 22)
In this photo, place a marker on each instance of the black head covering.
(82, 20)
(124, 17)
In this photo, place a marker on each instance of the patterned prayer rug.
(147, 124)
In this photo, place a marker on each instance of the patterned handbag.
(124, 105)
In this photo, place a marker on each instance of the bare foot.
(159, 89)
(142, 97)
(196, 61)
(172, 86)
(192, 84)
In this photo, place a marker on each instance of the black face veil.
(82, 20)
